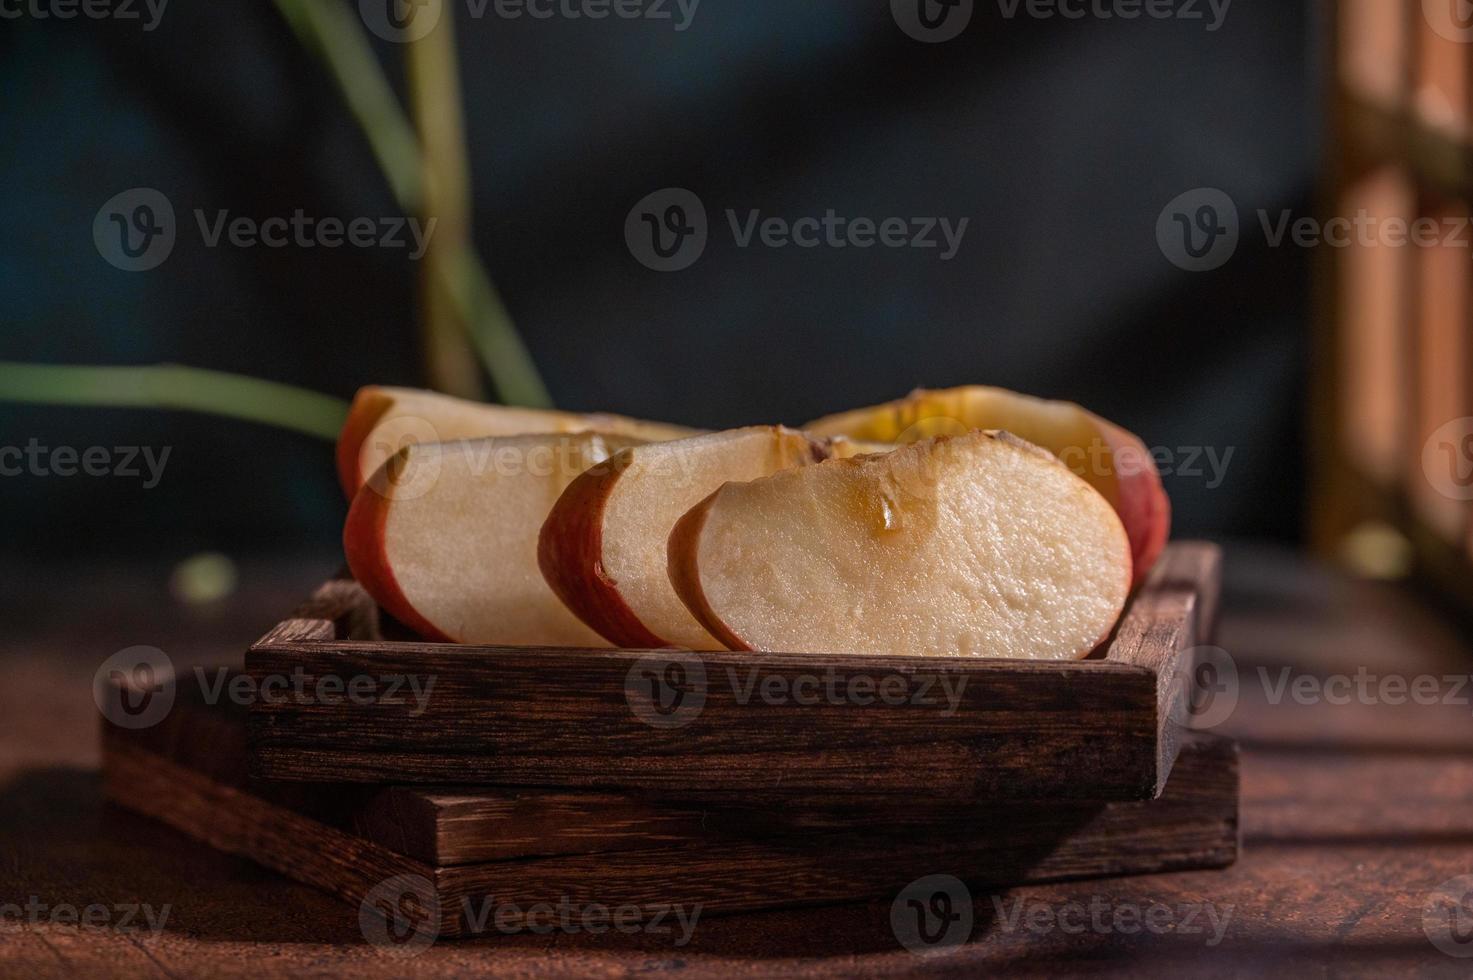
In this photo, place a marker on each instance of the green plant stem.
(434, 99)
(330, 28)
(495, 337)
(175, 386)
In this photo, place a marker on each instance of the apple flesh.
(444, 537)
(971, 545)
(603, 547)
(1112, 460)
(384, 420)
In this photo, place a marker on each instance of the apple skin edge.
(685, 574)
(368, 560)
(570, 550)
(1141, 500)
(369, 406)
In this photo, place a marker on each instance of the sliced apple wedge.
(603, 547)
(972, 545)
(444, 537)
(1113, 460)
(383, 421)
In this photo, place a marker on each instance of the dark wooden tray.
(525, 846)
(1106, 728)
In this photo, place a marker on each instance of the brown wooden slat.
(559, 717)
(720, 870)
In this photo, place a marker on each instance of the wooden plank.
(446, 826)
(1176, 610)
(743, 725)
(716, 866)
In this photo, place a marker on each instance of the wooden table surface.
(1354, 815)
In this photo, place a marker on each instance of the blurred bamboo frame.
(1394, 349)
(425, 166)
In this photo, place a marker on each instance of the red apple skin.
(364, 545)
(570, 550)
(369, 406)
(685, 575)
(1141, 500)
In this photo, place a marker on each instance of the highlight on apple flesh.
(1113, 461)
(975, 545)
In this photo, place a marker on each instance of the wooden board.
(735, 726)
(462, 848)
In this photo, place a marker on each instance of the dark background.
(1061, 141)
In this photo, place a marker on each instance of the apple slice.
(971, 545)
(383, 421)
(603, 547)
(444, 537)
(1113, 460)
(843, 447)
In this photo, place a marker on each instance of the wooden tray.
(522, 847)
(697, 726)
